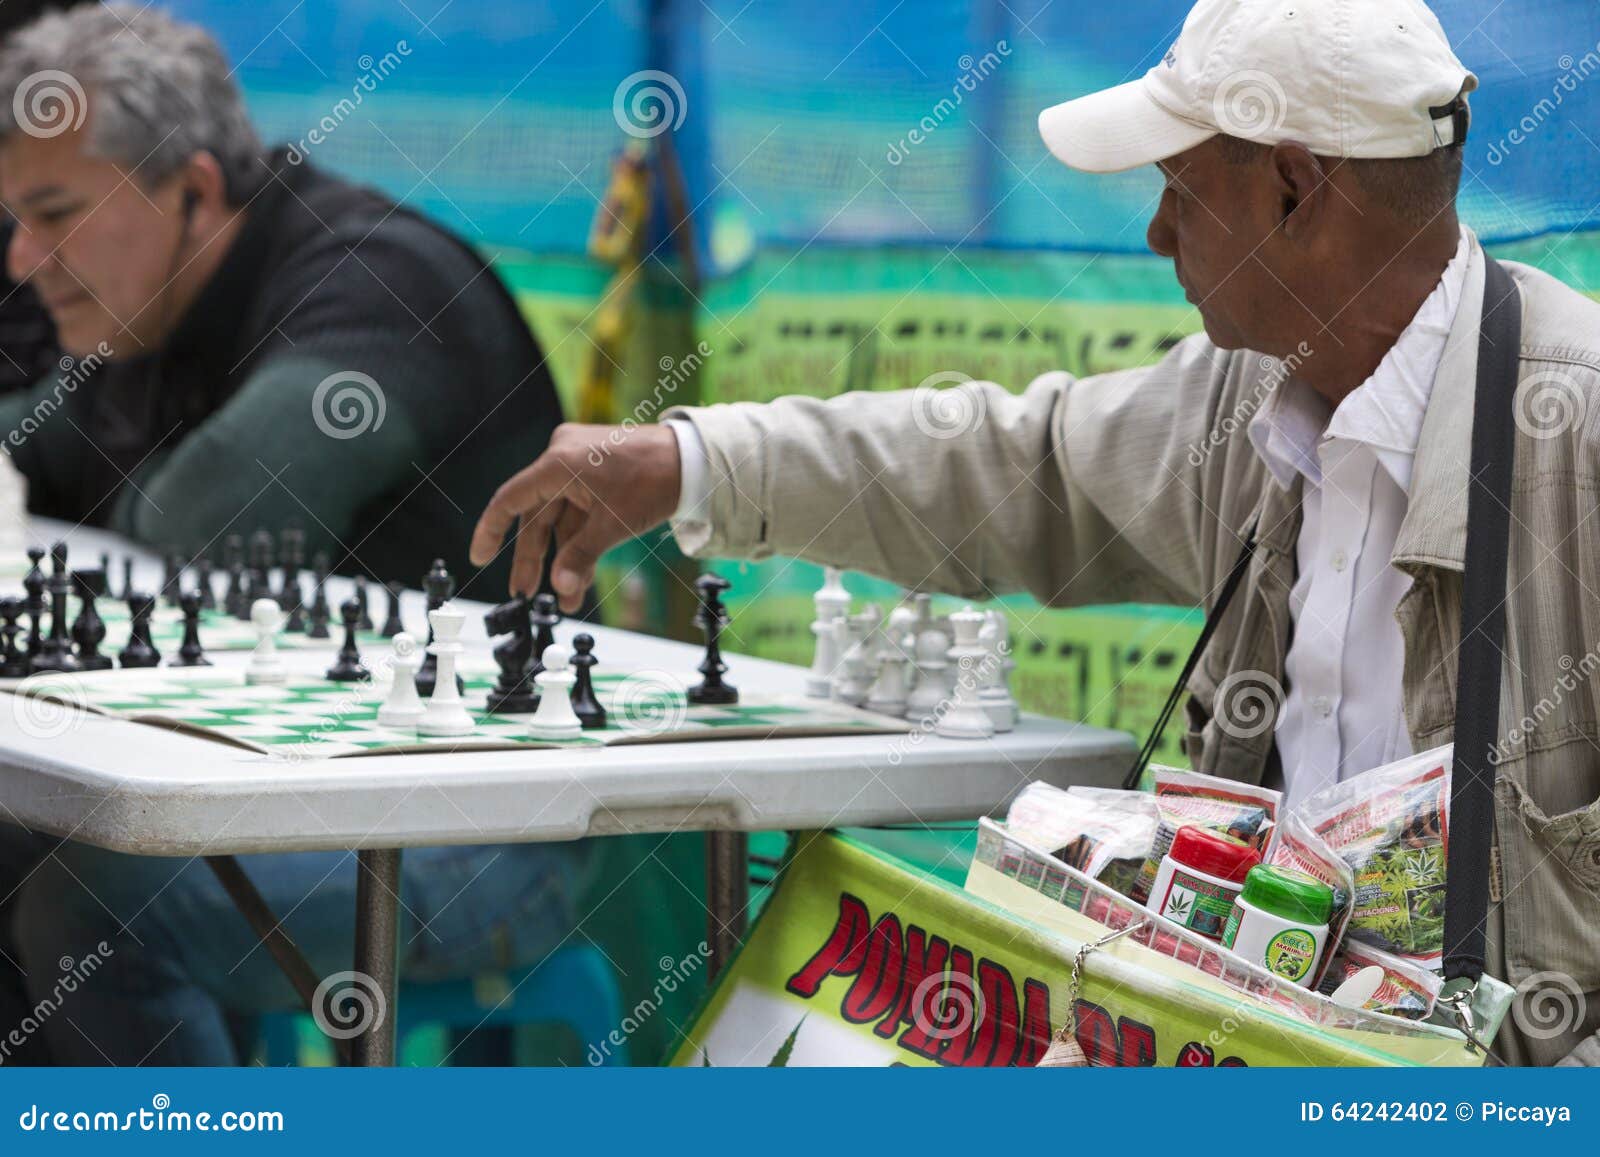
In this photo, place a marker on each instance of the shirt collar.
(1384, 413)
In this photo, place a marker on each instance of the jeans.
(128, 960)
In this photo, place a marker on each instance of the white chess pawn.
(445, 713)
(403, 708)
(855, 636)
(266, 665)
(964, 717)
(555, 718)
(833, 604)
(892, 688)
(932, 688)
(993, 694)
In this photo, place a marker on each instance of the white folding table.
(146, 790)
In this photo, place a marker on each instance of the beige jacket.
(1134, 487)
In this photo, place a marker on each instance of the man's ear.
(203, 193)
(1302, 188)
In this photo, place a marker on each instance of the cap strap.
(1450, 123)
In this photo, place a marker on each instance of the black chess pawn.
(233, 602)
(365, 622)
(208, 591)
(291, 556)
(546, 618)
(259, 584)
(55, 651)
(514, 692)
(190, 653)
(295, 624)
(585, 704)
(141, 649)
(392, 625)
(347, 667)
(172, 581)
(438, 586)
(711, 618)
(33, 605)
(89, 630)
(317, 628)
(13, 649)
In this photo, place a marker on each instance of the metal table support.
(377, 952)
(727, 895)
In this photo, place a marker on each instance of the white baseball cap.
(1345, 78)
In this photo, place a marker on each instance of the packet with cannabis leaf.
(1390, 825)
(1408, 990)
(1103, 832)
(1240, 810)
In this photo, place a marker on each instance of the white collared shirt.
(1343, 710)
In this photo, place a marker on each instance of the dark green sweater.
(224, 430)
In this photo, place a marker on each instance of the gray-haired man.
(1311, 158)
(214, 290)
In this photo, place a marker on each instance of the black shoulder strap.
(1230, 587)
(1482, 653)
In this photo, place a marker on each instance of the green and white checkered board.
(309, 718)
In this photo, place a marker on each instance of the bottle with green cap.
(1280, 922)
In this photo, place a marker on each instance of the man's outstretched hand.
(594, 487)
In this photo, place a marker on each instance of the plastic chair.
(575, 986)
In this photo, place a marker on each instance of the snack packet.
(1390, 825)
(1408, 990)
(1241, 810)
(1296, 846)
(1102, 832)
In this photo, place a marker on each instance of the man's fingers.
(581, 538)
(523, 495)
(533, 541)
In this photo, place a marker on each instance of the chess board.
(311, 718)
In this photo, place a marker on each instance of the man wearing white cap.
(1312, 156)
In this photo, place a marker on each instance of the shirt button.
(1339, 560)
(1322, 706)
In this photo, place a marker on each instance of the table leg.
(727, 895)
(378, 948)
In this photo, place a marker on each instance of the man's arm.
(1076, 491)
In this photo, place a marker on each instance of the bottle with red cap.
(1200, 878)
